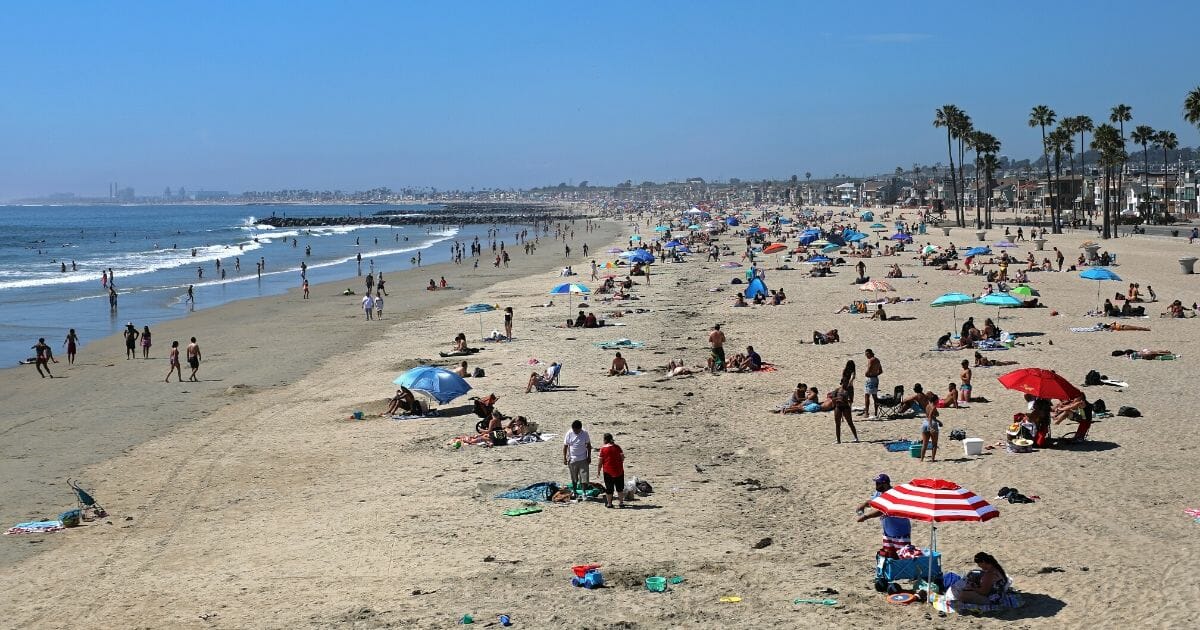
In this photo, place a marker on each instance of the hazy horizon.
(272, 95)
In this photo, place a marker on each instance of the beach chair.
(86, 501)
(545, 386)
(893, 407)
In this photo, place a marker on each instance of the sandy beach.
(249, 500)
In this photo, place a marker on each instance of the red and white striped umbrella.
(935, 501)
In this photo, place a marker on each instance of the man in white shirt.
(368, 305)
(577, 455)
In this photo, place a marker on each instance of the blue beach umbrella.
(479, 309)
(999, 300)
(662, 228)
(816, 260)
(731, 221)
(854, 237)
(672, 243)
(638, 256)
(569, 289)
(832, 247)
(977, 251)
(1099, 274)
(900, 236)
(438, 383)
(953, 300)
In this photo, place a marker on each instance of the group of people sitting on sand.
(1126, 310)
(585, 321)
(760, 298)
(1033, 427)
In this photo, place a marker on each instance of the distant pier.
(455, 213)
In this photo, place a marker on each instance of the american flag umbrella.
(934, 501)
(1041, 383)
(876, 286)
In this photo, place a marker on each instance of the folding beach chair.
(545, 386)
(86, 501)
(894, 407)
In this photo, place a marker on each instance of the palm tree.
(1068, 127)
(989, 165)
(1143, 135)
(982, 143)
(1107, 141)
(1191, 107)
(946, 117)
(1119, 115)
(1083, 124)
(1167, 141)
(1042, 116)
(962, 131)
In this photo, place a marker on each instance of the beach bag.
(1128, 412)
(1099, 406)
(499, 437)
(478, 373)
(1093, 378)
(643, 487)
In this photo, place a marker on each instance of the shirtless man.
(619, 366)
(871, 385)
(964, 390)
(717, 340)
(193, 358)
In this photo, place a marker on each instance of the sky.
(249, 95)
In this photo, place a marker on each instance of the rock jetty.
(456, 213)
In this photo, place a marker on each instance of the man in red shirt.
(612, 469)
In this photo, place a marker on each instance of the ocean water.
(155, 253)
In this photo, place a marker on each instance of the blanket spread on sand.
(35, 527)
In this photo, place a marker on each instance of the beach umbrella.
(876, 286)
(820, 242)
(1040, 383)
(854, 237)
(672, 243)
(479, 309)
(569, 289)
(1099, 274)
(731, 221)
(1024, 290)
(928, 249)
(784, 220)
(693, 227)
(635, 237)
(830, 248)
(999, 300)
(901, 236)
(638, 255)
(438, 383)
(662, 228)
(1006, 244)
(817, 260)
(878, 227)
(774, 248)
(683, 249)
(952, 300)
(934, 501)
(977, 251)
(1087, 244)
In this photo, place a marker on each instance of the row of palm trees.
(1108, 139)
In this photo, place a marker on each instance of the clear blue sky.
(263, 95)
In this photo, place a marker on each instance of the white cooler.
(973, 446)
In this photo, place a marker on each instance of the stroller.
(86, 501)
(483, 407)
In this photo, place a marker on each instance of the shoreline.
(111, 405)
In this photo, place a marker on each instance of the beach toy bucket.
(582, 569)
(915, 450)
(358, 415)
(656, 584)
(973, 446)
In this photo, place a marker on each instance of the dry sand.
(275, 511)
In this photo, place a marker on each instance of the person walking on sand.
(842, 397)
(131, 336)
(716, 340)
(897, 530)
(508, 322)
(42, 356)
(595, 275)
(871, 385)
(368, 305)
(611, 469)
(72, 344)
(193, 358)
(145, 342)
(378, 306)
(173, 363)
(304, 285)
(577, 457)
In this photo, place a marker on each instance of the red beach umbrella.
(935, 501)
(774, 247)
(1040, 383)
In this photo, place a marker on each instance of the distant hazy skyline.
(351, 95)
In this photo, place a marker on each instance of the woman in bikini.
(145, 342)
(173, 365)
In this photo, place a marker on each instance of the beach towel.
(1087, 329)
(944, 604)
(899, 446)
(536, 492)
(522, 511)
(35, 527)
(619, 344)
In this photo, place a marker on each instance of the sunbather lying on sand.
(982, 361)
(675, 367)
